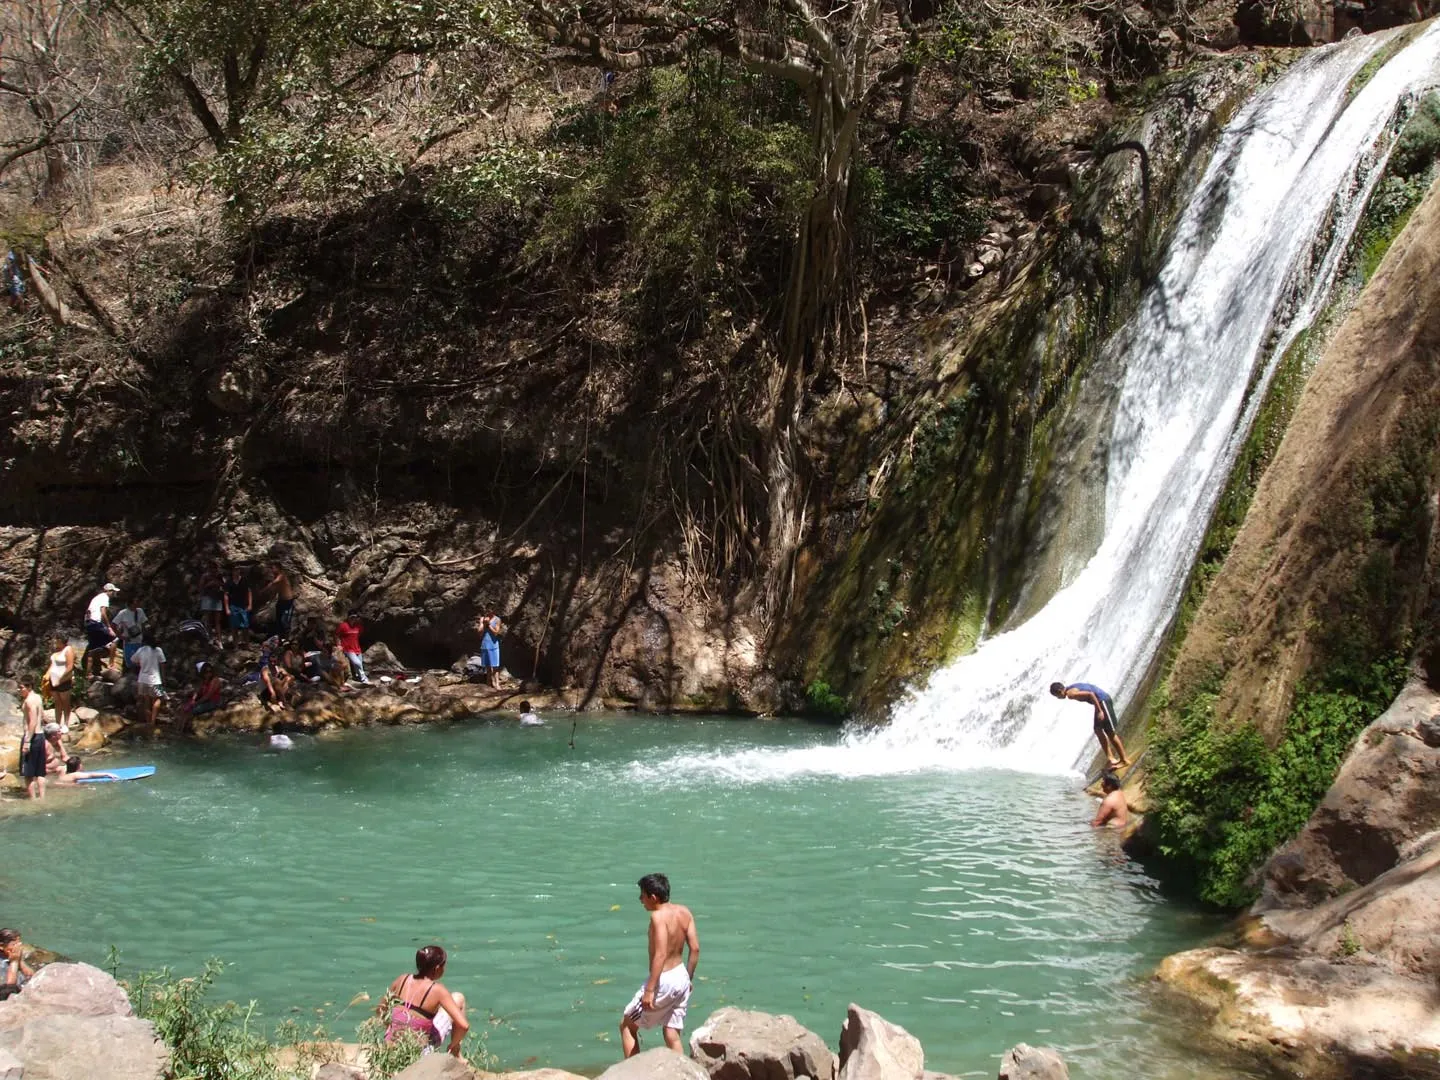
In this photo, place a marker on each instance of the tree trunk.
(812, 329)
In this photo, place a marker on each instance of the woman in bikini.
(419, 1003)
(62, 678)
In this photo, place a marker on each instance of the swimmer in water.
(1114, 810)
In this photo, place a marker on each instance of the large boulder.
(872, 1048)
(661, 1063)
(78, 989)
(539, 1074)
(437, 1067)
(1024, 1062)
(74, 1022)
(1383, 799)
(734, 1044)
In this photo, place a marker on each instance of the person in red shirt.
(348, 635)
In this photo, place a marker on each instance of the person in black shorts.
(1105, 733)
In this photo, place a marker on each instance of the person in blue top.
(1105, 733)
(491, 631)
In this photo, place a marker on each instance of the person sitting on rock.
(419, 1003)
(16, 972)
(276, 686)
(1114, 810)
(205, 699)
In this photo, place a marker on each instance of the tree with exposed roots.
(840, 55)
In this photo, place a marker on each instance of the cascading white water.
(1252, 259)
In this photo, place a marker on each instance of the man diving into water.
(1105, 734)
(662, 1001)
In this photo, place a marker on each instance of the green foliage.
(508, 178)
(225, 1041)
(1022, 49)
(1418, 146)
(1407, 178)
(388, 1058)
(287, 94)
(916, 200)
(207, 1041)
(824, 701)
(704, 170)
(1225, 800)
(1348, 944)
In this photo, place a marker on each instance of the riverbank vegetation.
(213, 1039)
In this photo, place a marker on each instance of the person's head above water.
(656, 887)
(1058, 689)
(430, 962)
(72, 764)
(524, 706)
(1109, 782)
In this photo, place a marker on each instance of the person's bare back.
(671, 928)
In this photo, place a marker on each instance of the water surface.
(977, 909)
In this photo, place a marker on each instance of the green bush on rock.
(211, 1040)
(1225, 799)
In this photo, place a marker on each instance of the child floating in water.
(528, 717)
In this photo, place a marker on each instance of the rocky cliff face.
(1338, 974)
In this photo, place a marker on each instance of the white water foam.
(1252, 259)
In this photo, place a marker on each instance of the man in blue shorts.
(1105, 733)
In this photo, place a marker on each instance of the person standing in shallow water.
(1105, 733)
(32, 742)
(664, 998)
(1113, 810)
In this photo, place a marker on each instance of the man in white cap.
(100, 633)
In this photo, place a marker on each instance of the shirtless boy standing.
(662, 1001)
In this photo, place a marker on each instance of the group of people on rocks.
(120, 634)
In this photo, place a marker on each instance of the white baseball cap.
(110, 586)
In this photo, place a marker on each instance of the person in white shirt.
(99, 633)
(130, 625)
(148, 658)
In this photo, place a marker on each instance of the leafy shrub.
(207, 1041)
(388, 1058)
(1225, 800)
(916, 200)
(702, 172)
(824, 701)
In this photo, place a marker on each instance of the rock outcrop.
(437, 1067)
(1025, 1062)
(74, 1022)
(734, 1044)
(872, 1048)
(1383, 800)
(1339, 977)
(658, 1064)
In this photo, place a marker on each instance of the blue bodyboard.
(128, 772)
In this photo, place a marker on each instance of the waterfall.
(1249, 266)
